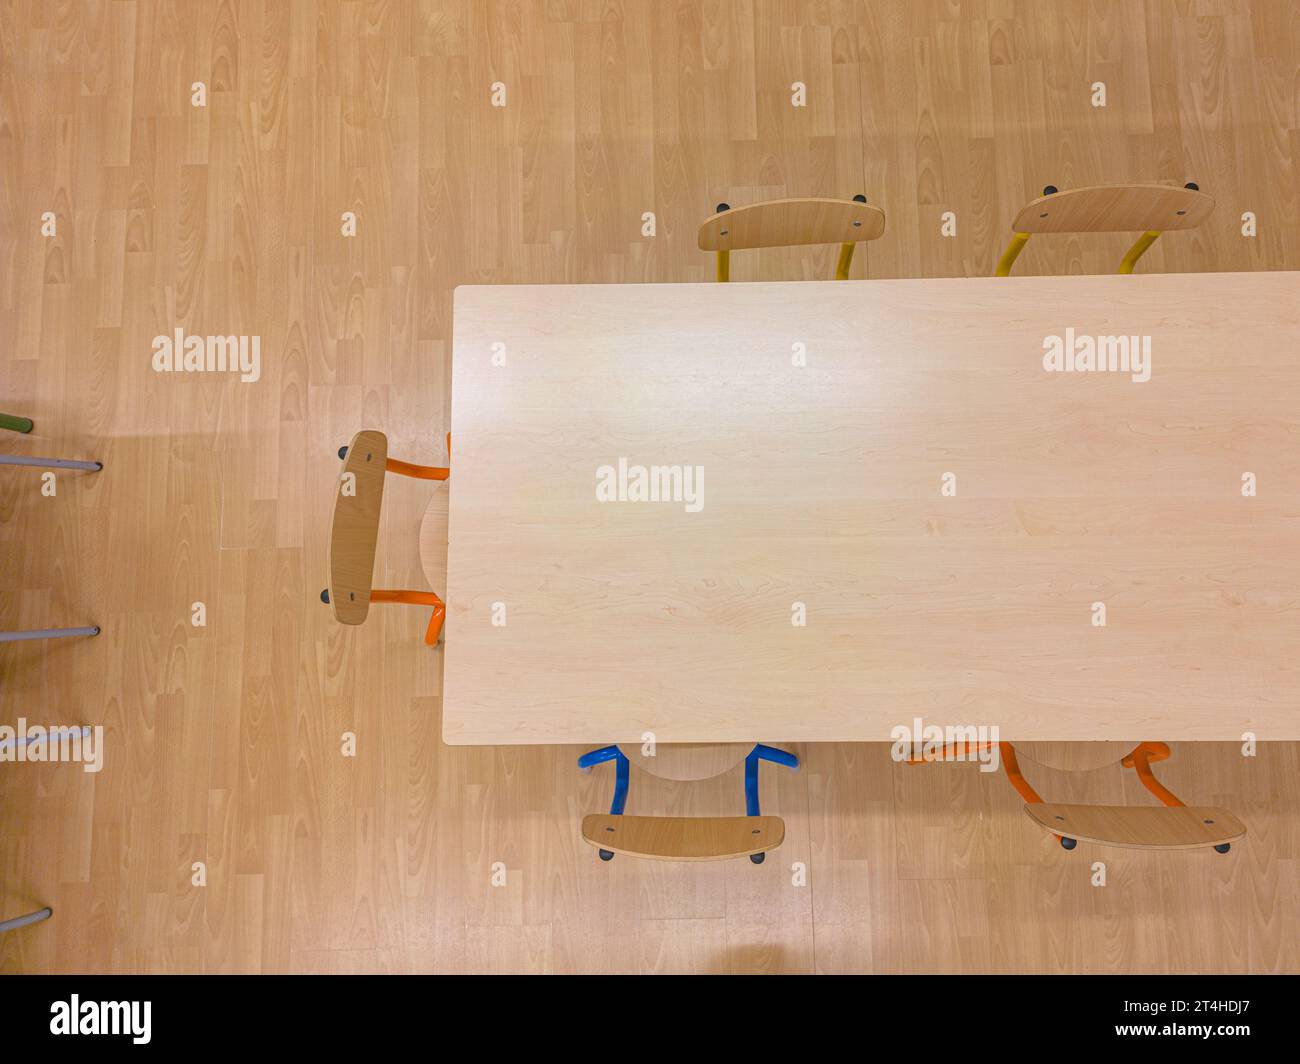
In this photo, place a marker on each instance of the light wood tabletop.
(878, 501)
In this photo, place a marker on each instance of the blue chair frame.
(621, 776)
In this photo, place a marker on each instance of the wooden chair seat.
(678, 838)
(790, 222)
(1115, 209)
(1186, 827)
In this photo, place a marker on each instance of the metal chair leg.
(50, 463)
(1009, 256)
(724, 257)
(26, 921)
(14, 423)
(762, 753)
(47, 633)
(621, 777)
(621, 773)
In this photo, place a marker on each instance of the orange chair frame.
(415, 598)
(418, 598)
(1139, 759)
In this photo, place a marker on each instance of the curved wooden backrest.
(1075, 757)
(684, 838)
(1115, 208)
(688, 761)
(355, 529)
(433, 535)
(1184, 827)
(788, 222)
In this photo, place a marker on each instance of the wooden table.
(829, 419)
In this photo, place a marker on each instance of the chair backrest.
(1116, 209)
(680, 838)
(1077, 756)
(791, 222)
(1184, 827)
(433, 538)
(355, 528)
(688, 761)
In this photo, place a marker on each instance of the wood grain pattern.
(688, 761)
(433, 538)
(821, 488)
(1115, 209)
(1075, 757)
(354, 532)
(679, 838)
(1137, 827)
(223, 741)
(789, 222)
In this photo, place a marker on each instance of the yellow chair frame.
(1154, 209)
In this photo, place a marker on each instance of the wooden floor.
(224, 741)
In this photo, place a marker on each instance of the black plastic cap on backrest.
(325, 596)
(722, 207)
(859, 198)
(1050, 190)
(1193, 186)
